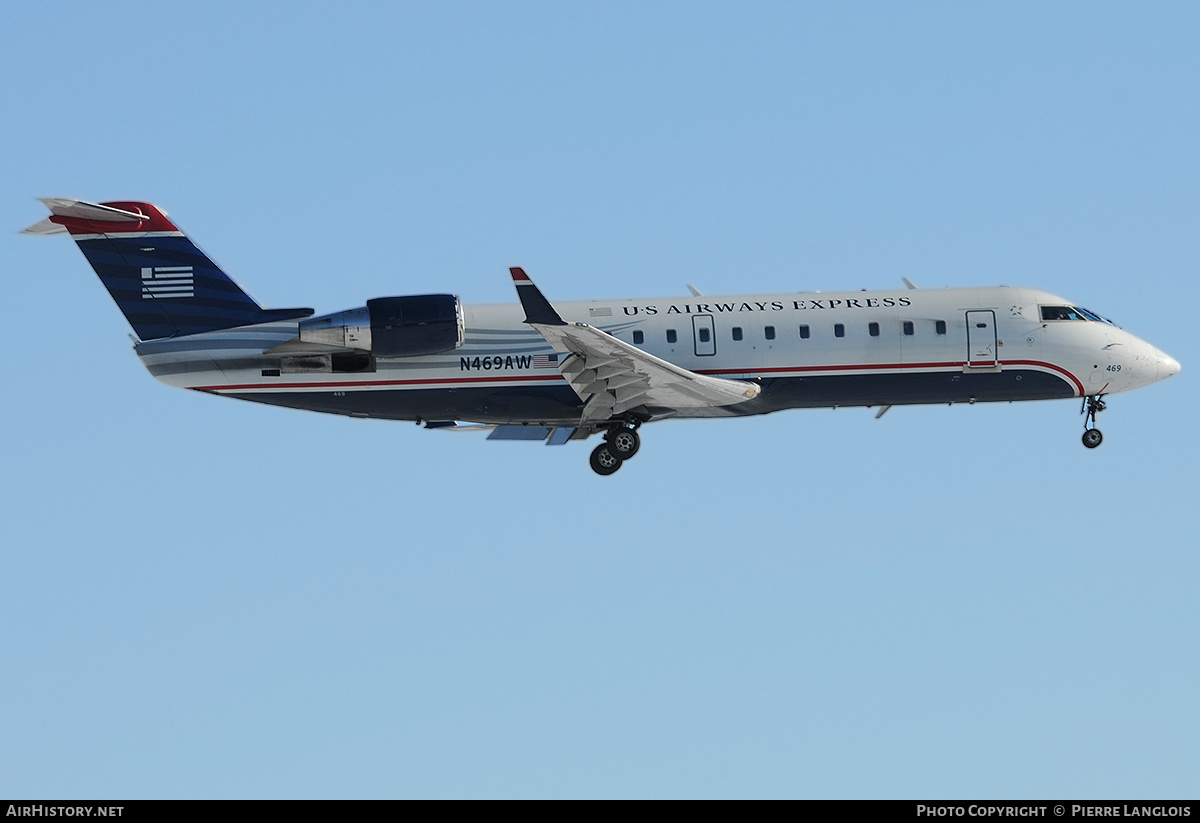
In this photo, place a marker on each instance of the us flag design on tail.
(167, 281)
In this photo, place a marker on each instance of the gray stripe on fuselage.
(187, 345)
(504, 332)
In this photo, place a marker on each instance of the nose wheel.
(1092, 406)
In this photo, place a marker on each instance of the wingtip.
(537, 307)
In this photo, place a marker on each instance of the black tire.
(604, 460)
(624, 443)
(1092, 438)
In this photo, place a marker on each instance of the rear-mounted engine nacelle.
(347, 329)
(392, 326)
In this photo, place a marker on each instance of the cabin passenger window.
(908, 327)
(769, 332)
(804, 332)
(941, 326)
(737, 332)
(703, 335)
(638, 338)
(671, 336)
(839, 330)
(873, 328)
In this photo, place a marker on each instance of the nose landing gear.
(1092, 406)
(620, 443)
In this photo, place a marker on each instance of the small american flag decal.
(545, 361)
(167, 281)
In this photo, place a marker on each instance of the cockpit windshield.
(1072, 313)
(1091, 315)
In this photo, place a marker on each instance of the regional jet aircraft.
(565, 371)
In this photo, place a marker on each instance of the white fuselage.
(810, 349)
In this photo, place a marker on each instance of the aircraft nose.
(1167, 365)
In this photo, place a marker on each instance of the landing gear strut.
(621, 442)
(1092, 406)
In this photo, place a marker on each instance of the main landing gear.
(620, 443)
(1092, 406)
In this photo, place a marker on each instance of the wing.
(611, 376)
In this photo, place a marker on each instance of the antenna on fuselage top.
(908, 283)
(695, 291)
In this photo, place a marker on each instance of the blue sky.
(207, 598)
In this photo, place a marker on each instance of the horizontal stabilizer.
(46, 226)
(80, 217)
(78, 210)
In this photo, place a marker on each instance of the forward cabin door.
(981, 339)
(705, 335)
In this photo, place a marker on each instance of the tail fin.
(164, 285)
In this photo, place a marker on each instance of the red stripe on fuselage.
(435, 381)
(1059, 369)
